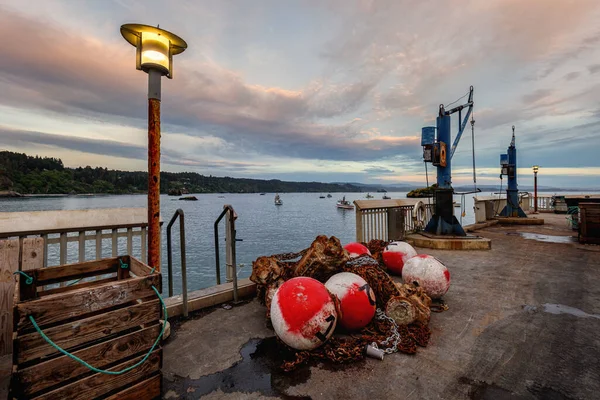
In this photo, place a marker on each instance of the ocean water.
(264, 228)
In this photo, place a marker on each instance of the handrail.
(227, 209)
(178, 213)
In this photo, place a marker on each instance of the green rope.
(29, 279)
(123, 265)
(57, 347)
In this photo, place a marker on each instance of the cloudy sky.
(308, 90)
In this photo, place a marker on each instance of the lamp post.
(155, 49)
(535, 203)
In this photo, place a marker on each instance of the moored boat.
(344, 204)
(278, 200)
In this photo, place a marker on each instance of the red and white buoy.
(429, 273)
(356, 297)
(356, 249)
(396, 254)
(303, 313)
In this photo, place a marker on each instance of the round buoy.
(357, 299)
(356, 249)
(303, 313)
(396, 254)
(429, 273)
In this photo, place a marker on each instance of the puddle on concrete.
(258, 371)
(481, 390)
(562, 309)
(544, 238)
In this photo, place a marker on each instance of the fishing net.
(395, 302)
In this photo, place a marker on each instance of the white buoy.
(396, 254)
(429, 273)
(303, 313)
(356, 297)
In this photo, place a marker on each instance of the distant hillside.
(36, 175)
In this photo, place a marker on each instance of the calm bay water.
(265, 228)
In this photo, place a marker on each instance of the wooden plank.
(31, 346)
(81, 240)
(32, 253)
(63, 248)
(9, 264)
(92, 237)
(38, 222)
(139, 268)
(143, 239)
(45, 237)
(70, 271)
(99, 384)
(148, 389)
(115, 241)
(98, 244)
(59, 307)
(129, 241)
(53, 372)
(359, 225)
(43, 293)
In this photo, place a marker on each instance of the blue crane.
(435, 149)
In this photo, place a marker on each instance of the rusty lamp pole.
(535, 204)
(155, 49)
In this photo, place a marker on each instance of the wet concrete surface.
(522, 324)
(545, 238)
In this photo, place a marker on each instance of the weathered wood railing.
(60, 230)
(389, 219)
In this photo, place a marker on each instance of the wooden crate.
(109, 319)
(589, 226)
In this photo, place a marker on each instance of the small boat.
(329, 196)
(321, 197)
(368, 196)
(386, 197)
(278, 200)
(344, 204)
(189, 198)
(262, 194)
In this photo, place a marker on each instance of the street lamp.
(155, 49)
(535, 203)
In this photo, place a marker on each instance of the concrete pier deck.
(523, 323)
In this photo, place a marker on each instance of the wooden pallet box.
(589, 226)
(104, 312)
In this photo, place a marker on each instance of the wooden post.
(359, 225)
(9, 264)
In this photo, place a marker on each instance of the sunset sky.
(308, 90)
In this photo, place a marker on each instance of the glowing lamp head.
(535, 169)
(155, 47)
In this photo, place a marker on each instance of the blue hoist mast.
(508, 165)
(435, 142)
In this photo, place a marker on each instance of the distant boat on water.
(278, 200)
(329, 195)
(321, 197)
(386, 197)
(262, 194)
(344, 204)
(368, 196)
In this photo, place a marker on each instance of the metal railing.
(231, 240)
(178, 214)
(544, 203)
(373, 222)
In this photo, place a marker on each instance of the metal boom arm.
(464, 121)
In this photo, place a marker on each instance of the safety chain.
(395, 336)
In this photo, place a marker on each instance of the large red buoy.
(356, 298)
(356, 249)
(303, 313)
(429, 273)
(396, 254)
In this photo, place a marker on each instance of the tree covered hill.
(46, 175)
